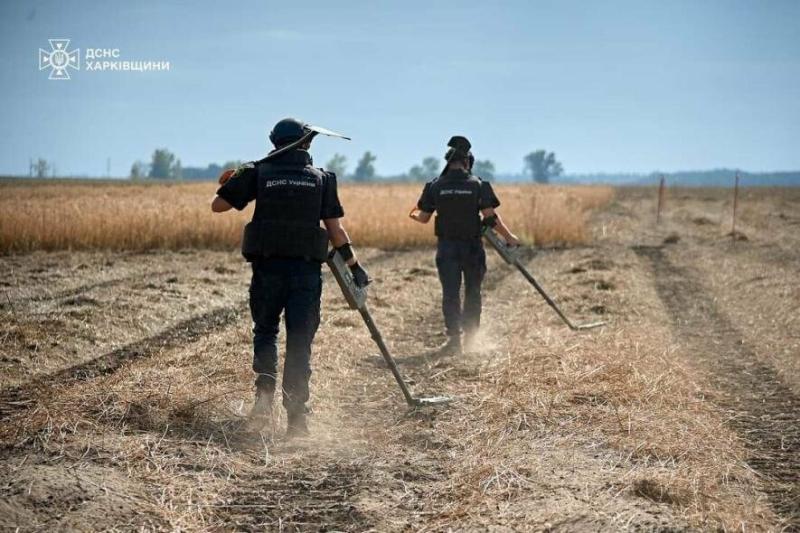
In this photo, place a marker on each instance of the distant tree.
(484, 170)
(427, 170)
(431, 166)
(138, 170)
(543, 165)
(40, 168)
(162, 164)
(365, 170)
(416, 173)
(338, 165)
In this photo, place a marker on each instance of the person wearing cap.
(286, 246)
(463, 203)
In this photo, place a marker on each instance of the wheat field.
(73, 215)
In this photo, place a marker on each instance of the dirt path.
(762, 409)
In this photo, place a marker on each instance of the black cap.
(286, 131)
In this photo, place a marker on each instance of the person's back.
(462, 203)
(286, 246)
(292, 196)
(458, 201)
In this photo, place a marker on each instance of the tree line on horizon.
(540, 165)
(164, 165)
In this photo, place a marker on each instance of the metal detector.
(357, 299)
(510, 256)
(311, 131)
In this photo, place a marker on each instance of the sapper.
(357, 299)
(510, 256)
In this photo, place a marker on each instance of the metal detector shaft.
(376, 336)
(510, 256)
(311, 132)
(357, 299)
(550, 301)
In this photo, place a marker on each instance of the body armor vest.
(288, 206)
(457, 197)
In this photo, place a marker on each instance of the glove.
(360, 276)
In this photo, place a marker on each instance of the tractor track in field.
(760, 407)
(82, 289)
(297, 500)
(16, 399)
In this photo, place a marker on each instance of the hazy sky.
(609, 86)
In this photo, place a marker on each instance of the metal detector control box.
(508, 253)
(356, 296)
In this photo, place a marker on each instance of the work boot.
(296, 424)
(261, 412)
(452, 346)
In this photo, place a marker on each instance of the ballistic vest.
(457, 199)
(287, 213)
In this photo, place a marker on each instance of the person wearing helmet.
(462, 203)
(286, 246)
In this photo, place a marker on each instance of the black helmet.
(458, 149)
(286, 131)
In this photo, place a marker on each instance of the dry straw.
(125, 216)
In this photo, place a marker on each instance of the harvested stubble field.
(125, 374)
